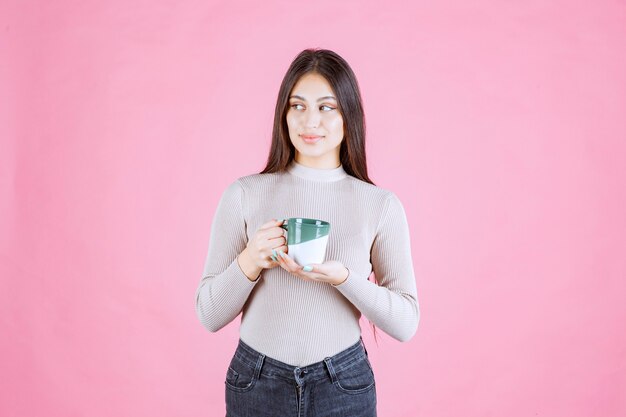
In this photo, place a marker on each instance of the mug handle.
(285, 226)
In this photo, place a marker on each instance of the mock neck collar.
(316, 174)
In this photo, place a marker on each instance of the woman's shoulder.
(256, 179)
(370, 190)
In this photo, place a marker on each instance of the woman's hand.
(330, 272)
(258, 252)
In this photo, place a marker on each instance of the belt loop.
(259, 365)
(331, 370)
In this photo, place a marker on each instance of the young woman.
(300, 350)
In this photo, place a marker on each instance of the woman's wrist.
(347, 274)
(248, 267)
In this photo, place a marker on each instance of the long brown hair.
(342, 80)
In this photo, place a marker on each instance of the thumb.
(328, 268)
(272, 223)
(315, 268)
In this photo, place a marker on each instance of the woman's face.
(313, 111)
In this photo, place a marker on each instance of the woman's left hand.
(330, 272)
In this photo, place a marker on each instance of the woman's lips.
(310, 138)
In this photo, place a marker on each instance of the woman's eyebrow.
(319, 99)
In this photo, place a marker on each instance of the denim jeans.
(341, 385)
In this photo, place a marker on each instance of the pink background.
(500, 125)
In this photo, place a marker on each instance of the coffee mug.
(306, 239)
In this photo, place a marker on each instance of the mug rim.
(323, 222)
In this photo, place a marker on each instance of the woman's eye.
(328, 108)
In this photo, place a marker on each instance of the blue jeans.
(341, 385)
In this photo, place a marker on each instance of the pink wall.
(499, 124)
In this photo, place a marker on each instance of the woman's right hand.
(257, 254)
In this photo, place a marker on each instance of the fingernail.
(282, 253)
(274, 258)
(274, 252)
(308, 268)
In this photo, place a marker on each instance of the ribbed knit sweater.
(300, 322)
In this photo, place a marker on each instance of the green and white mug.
(306, 239)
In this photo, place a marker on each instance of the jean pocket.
(357, 378)
(240, 376)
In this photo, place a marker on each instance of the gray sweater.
(300, 322)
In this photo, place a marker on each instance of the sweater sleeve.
(224, 288)
(392, 305)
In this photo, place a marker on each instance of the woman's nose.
(312, 119)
